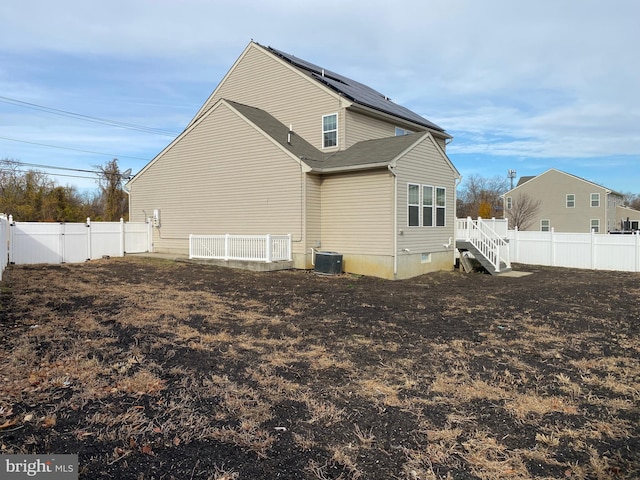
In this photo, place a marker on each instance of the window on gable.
(509, 203)
(441, 204)
(571, 200)
(402, 131)
(427, 206)
(330, 130)
(413, 200)
(595, 199)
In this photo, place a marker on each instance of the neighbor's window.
(595, 225)
(571, 200)
(413, 201)
(509, 203)
(401, 131)
(427, 206)
(595, 199)
(545, 225)
(330, 130)
(441, 205)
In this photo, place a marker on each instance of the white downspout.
(395, 221)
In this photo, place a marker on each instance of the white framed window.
(413, 202)
(595, 225)
(402, 131)
(595, 199)
(571, 200)
(441, 206)
(509, 203)
(427, 206)
(545, 225)
(330, 130)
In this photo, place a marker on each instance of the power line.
(87, 118)
(72, 149)
(37, 165)
(59, 174)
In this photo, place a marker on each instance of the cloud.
(514, 80)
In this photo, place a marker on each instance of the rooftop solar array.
(355, 91)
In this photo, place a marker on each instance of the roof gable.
(527, 179)
(355, 91)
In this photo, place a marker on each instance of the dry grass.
(144, 363)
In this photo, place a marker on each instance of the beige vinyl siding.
(260, 80)
(223, 177)
(442, 143)
(313, 187)
(424, 165)
(360, 127)
(551, 188)
(357, 213)
(363, 127)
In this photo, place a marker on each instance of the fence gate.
(75, 242)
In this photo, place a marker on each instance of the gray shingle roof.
(280, 133)
(355, 91)
(369, 153)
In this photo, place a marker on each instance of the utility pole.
(511, 174)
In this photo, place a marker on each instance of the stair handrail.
(493, 247)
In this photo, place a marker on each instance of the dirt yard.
(153, 369)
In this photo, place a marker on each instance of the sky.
(520, 85)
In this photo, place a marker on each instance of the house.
(565, 203)
(283, 146)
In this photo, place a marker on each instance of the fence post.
(226, 246)
(89, 256)
(552, 236)
(289, 248)
(593, 249)
(269, 249)
(637, 256)
(11, 238)
(149, 236)
(122, 237)
(468, 228)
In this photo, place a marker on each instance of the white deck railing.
(254, 248)
(488, 236)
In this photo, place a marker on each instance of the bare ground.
(152, 369)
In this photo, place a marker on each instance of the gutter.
(350, 168)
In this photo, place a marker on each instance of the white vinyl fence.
(4, 243)
(255, 248)
(576, 250)
(42, 242)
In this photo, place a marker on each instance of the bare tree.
(115, 200)
(523, 211)
(480, 196)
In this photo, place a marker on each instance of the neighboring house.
(627, 219)
(284, 146)
(566, 203)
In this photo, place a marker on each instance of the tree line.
(31, 196)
